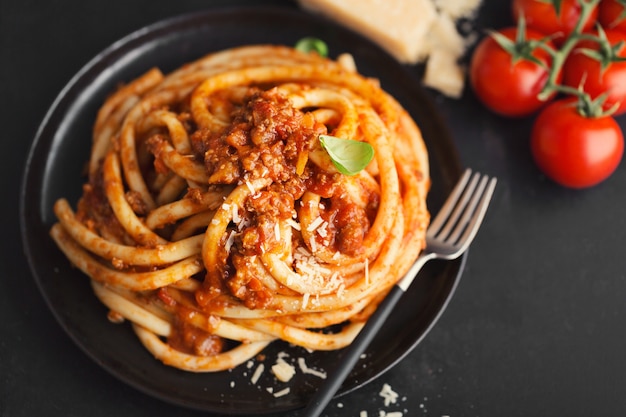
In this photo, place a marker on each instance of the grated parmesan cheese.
(315, 224)
(305, 300)
(250, 187)
(283, 371)
(294, 224)
(322, 230)
(306, 370)
(277, 231)
(236, 218)
(282, 392)
(389, 395)
(257, 373)
(230, 240)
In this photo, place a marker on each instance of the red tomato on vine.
(507, 82)
(574, 150)
(599, 73)
(612, 14)
(552, 17)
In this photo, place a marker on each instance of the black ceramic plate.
(58, 157)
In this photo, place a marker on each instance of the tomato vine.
(586, 97)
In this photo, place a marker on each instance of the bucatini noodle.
(215, 222)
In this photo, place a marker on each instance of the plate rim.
(63, 101)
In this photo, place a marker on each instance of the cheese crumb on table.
(283, 371)
(389, 395)
(257, 373)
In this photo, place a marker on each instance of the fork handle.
(352, 354)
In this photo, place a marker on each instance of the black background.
(535, 327)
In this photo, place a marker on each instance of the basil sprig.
(349, 156)
(311, 44)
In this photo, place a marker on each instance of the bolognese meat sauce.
(268, 138)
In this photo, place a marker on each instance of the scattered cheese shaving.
(229, 241)
(277, 231)
(283, 371)
(236, 218)
(315, 224)
(257, 373)
(389, 395)
(306, 370)
(294, 224)
(282, 392)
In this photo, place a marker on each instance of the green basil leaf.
(349, 156)
(309, 44)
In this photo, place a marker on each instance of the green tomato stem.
(560, 56)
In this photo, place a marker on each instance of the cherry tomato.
(573, 150)
(581, 69)
(541, 15)
(508, 88)
(612, 14)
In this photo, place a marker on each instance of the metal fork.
(448, 237)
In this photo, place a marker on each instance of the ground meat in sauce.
(246, 287)
(264, 139)
(94, 209)
(352, 225)
(136, 202)
(188, 338)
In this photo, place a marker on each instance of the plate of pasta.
(212, 213)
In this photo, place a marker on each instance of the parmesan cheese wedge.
(444, 35)
(398, 26)
(444, 74)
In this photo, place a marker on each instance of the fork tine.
(459, 208)
(478, 213)
(450, 204)
(467, 211)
